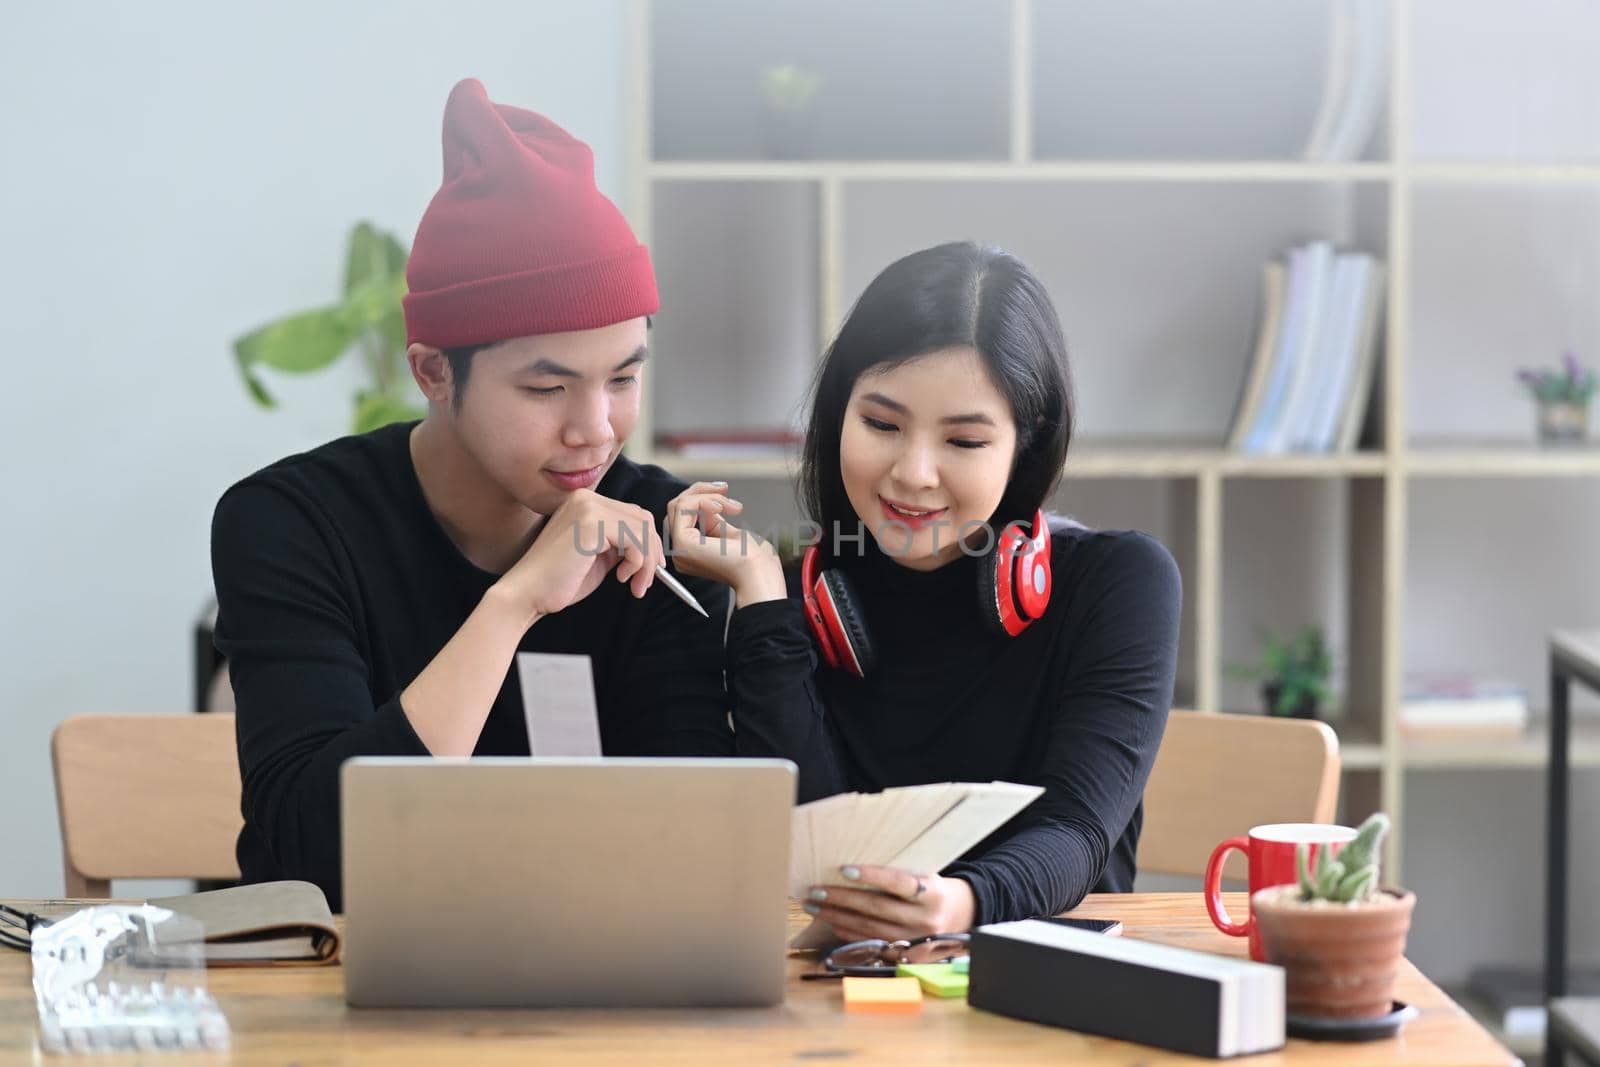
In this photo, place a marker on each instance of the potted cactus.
(1338, 935)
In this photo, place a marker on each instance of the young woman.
(942, 630)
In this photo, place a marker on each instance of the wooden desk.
(299, 1016)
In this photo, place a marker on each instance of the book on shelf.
(1435, 705)
(732, 443)
(1513, 997)
(1311, 376)
(1254, 388)
(1355, 81)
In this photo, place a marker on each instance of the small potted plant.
(1294, 672)
(788, 89)
(1338, 936)
(1563, 397)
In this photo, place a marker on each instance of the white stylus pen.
(677, 587)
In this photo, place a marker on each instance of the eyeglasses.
(879, 958)
(19, 920)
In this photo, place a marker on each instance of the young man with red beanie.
(373, 593)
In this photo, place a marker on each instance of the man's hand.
(893, 903)
(584, 540)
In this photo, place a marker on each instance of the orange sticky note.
(893, 996)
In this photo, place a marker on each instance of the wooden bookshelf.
(1372, 202)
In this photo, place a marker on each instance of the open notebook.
(921, 828)
(269, 923)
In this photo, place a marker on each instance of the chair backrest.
(1217, 775)
(146, 796)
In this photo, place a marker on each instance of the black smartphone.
(1094, 926)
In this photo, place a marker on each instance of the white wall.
(174, 174)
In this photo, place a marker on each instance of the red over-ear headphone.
(1013, 591)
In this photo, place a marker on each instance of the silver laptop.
(535, 882)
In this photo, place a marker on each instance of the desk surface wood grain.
(298, 1016)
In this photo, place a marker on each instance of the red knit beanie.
(518, 240)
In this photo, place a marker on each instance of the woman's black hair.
(953, 295)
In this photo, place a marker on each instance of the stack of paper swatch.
(920, 828)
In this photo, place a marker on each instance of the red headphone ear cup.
(989, 592)
(847, 629)
(1014, 577)
(996, 573)
(811, 589)
(1031, 580)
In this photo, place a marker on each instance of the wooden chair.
(1218, 775)
(146, 796)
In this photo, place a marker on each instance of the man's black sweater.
(336, 586)
(1077, 704)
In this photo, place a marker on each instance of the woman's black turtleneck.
(1076, 704)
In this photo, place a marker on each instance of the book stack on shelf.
(1442, 707)
(1311, 376)
(1356, 83)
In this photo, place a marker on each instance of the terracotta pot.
(1340, 959)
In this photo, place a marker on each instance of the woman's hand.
(893, 903)
(702, 542)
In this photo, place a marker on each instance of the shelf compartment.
(1501, 277)
(898, 78)
(735, 344)
(1154, 283)
(1297, 553)
(1238, 79)
(1492, 80)
(1492, 566)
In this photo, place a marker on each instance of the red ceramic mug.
(1270, 850)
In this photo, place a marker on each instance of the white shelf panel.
(1130, 461)
(1531, 748)
(695, 468)
(999, 170)
(1528, 173)
(1504, 461)
(1123, 170)
(1140, 461)
(1360, 755)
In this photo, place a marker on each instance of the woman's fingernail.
(716, 483)
(819, 894)
(852, 873)
(811, 909)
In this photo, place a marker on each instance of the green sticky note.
(960, 964)
(938, 979)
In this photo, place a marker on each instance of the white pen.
(677, 587)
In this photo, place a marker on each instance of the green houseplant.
(367, 320)
(1294, 672)
(1337, 934)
